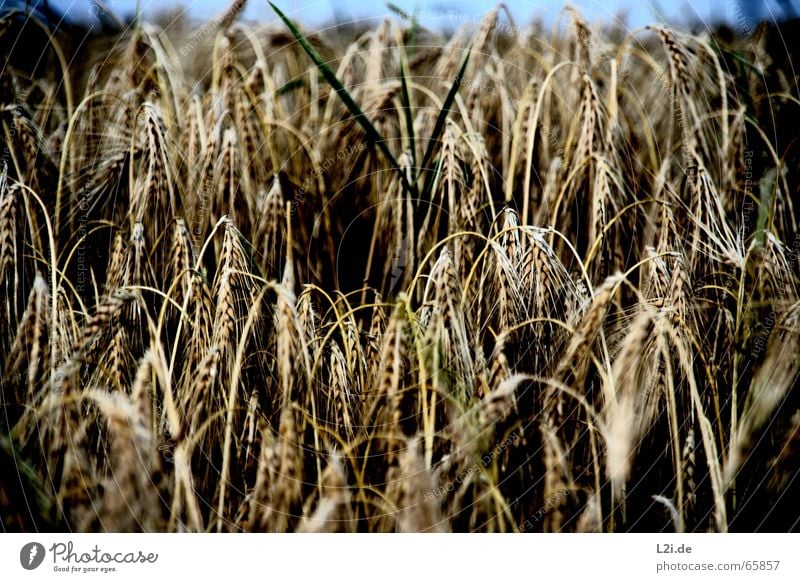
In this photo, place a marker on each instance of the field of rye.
(381, 278)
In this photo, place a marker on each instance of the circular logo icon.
(31, 555)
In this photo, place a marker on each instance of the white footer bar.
(379, 558)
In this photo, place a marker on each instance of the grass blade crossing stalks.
(440, 122)
(409, 114)
(372, 134)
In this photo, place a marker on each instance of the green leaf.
(399, 11)
(372, 134)
(289, 86)
(441, 119)
(406, 97)
(433, 175)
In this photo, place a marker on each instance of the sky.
(444, 14)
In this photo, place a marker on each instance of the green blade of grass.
(442, 118)
(373, 135)
(289, 86)
(406, 96)
(433, 175)
(411, 18)
(399, 11)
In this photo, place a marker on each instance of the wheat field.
(387, 279)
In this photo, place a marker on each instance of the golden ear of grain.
(583, 40)
(196, 350)
(623, 404)
(116, 270)
(9, 252)
(557, 479)
(234, 290)
(341, 398)
(411, 488)
(259, 511)
(271, 231)
(227, 18)
(180, 262)
(292, 362)
(483, 37)
(333, 512)
(688, 468)
(154, 202)
(130, 501)
(384, 406)
(287, 488)
(99, 323)
(306, 315)
(572, 362)
(31, 150)
(501, 402)
(31, 350)
(770, 385)
(448, 333)
(499, 366)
